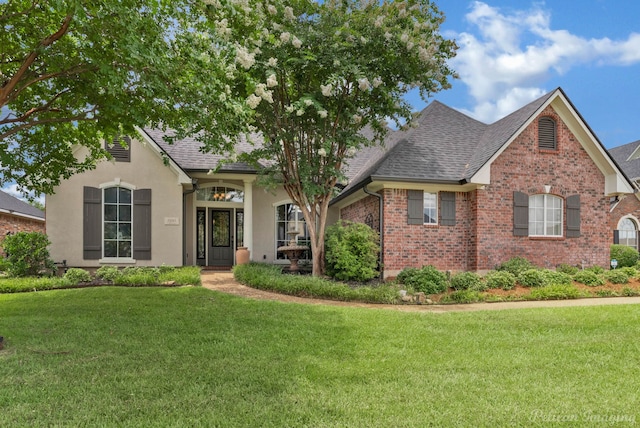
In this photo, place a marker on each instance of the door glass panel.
(239, 229)
(201, 233)
(220, 222)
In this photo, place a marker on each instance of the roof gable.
(20, 208)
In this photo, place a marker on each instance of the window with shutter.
(116, 149)
(547, 134)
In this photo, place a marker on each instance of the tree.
(75, 72)
(312, 75)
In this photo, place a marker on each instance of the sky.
(512, 52)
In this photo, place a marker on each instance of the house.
(19, 216)
(625, 211)
(451, 191)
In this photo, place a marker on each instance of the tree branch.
(78, 118)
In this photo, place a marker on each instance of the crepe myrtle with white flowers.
(309, 77)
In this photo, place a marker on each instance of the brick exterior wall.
(13, 224)
(483, 235)
(365, 210)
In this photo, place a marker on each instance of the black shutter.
(573, 216)
(92, 223)
(616, 236)
(415, 207)
(448, 208)
(520, 214)
(142, 224)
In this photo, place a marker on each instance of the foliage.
(568, 269)
(467, 281)
(268, 277)
(625, 255)
(598, 270)
(632, 272)
(630, 292)
(352, 251)
(555, 292)
(516, 265)
(588, 277)
(462, 296)
(108, 273)
(27, 254)
(427, 279)
(69, 79)
(309, 77)
(4, 264)
(32, 283)
(532, 278)
(556, 278)
(77, 275)
(616, 276)
(500, 279)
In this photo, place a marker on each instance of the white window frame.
(300, 225)
(636, 225)
(430, 208)
(117, 184)
(547, 221)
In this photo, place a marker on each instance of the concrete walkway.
(225, 283)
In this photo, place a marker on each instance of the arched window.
(547, 138)
(117, 222)
(545, 215)
(290, 224)
(219, 194)
(628, 233)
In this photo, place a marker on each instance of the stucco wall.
(145, 171)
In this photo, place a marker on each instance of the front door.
(221, 238)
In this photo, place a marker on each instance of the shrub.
(555, 292)
(631, 272)
(516, 265)
(351, 251)
(588, 277)
(500, 279)
(27, 254)
(598, 270)
(467, 281)
(616, 276)
(630, 292)
(76, 275)
(4, 264)
(138, 275)
(427, 279)
(108, 273)
(556, 278)
(462, 296)
(532, 278)
(626, 256)
(568, 269)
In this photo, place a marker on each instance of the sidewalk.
(225, 283)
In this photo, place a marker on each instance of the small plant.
(532, 278)
(632, 272)
(588, 277)
(77, 275)
(462, 296)
(555, 292)
(568, 269)
(427, 279)
(516, 265)
(557, 278)
(630, 292)
(467, 281)
(616, 276)
(607, 293)
(500, 279)
(351, 251)
(27, 254)
(625, 255)
(108, 273)
(598, 270)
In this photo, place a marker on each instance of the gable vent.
(119, 153)
(547, 134)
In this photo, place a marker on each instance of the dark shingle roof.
(15, 205)
(621, 155)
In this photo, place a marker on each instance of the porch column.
(248, 216)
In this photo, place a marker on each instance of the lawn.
(113, 356)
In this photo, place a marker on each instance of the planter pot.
(242, 255)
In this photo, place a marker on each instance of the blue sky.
(512, 54)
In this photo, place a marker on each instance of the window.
(430, 208)
(547, 134)
(219, 194)
(628, 233)
(290, 224)
(117, 222)
(545, 215)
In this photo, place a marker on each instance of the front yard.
(188, 356)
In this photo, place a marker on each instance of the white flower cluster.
(253, 100)
(326, 89)
(262, 92)
(363, 84)
(351, 151)
(322, 152)
(244, 57)
(272, 81)
(273, 62)
(288, 13)
(222, 28)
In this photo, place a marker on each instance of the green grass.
(114, 356)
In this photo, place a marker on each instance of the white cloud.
(507, 61)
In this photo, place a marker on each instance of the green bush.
(138, 276)
(427, 279)
(467, 281)
(500, 279)
(27, 254)
(630, 292)
(462, 296)
(631, 272)
(351, 251)
(555, 292)
(616, 276)
(598, 270)
(588, 277)
(516, 265)
(76, 275)
(532, 278)
(108, 273)
(556, 278)
(568, 269)
(626, 256)
(4, 264)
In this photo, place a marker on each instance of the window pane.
(125, 213)
(110, 212)
(125, 196)
(110, 230)
(124, 231)
(124, 249)
(111, 249)
(111, 195)
(430, 208)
